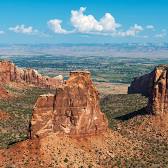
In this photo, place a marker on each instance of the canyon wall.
(9, 72)
(155, 86)
(142, 84)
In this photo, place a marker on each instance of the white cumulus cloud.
(2, 32)
(132, 31)
(108, 23)
(162, 34)
(151, 27)
(55, 26)
(23, 29)
(84, 23)
(88, 23)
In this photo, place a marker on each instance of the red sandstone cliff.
(142, 84)
(73, 110)
(158, 101)
(9, 72)
(155, 86)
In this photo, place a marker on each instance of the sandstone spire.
(158, 100)
(73, 110)
(155, 86)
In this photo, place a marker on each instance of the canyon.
(65, 125)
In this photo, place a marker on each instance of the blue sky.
(83, 21)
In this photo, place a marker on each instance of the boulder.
(73, 110)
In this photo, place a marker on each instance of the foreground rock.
(158, 100)
(9, 72)
(73, 110)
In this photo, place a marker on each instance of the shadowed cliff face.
(142, 84)
(155, 86)
(158, 101)
(73, 110)
(9, 72)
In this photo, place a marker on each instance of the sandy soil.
(56, 151)
(4, 115)
(111, 88)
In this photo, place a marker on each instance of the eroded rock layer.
(158, 100)
(9, 72)
(73, 110)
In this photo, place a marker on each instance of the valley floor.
(134, 139)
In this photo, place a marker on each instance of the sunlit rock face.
(73, 110)
(9, 72)
(158, 100)
(43, 116)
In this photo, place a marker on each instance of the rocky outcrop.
(155, 86)
(158, 100)
(73, 110)
(142, 85)
(42, 122)
(9, 72)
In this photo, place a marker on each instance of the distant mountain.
(115, 50)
